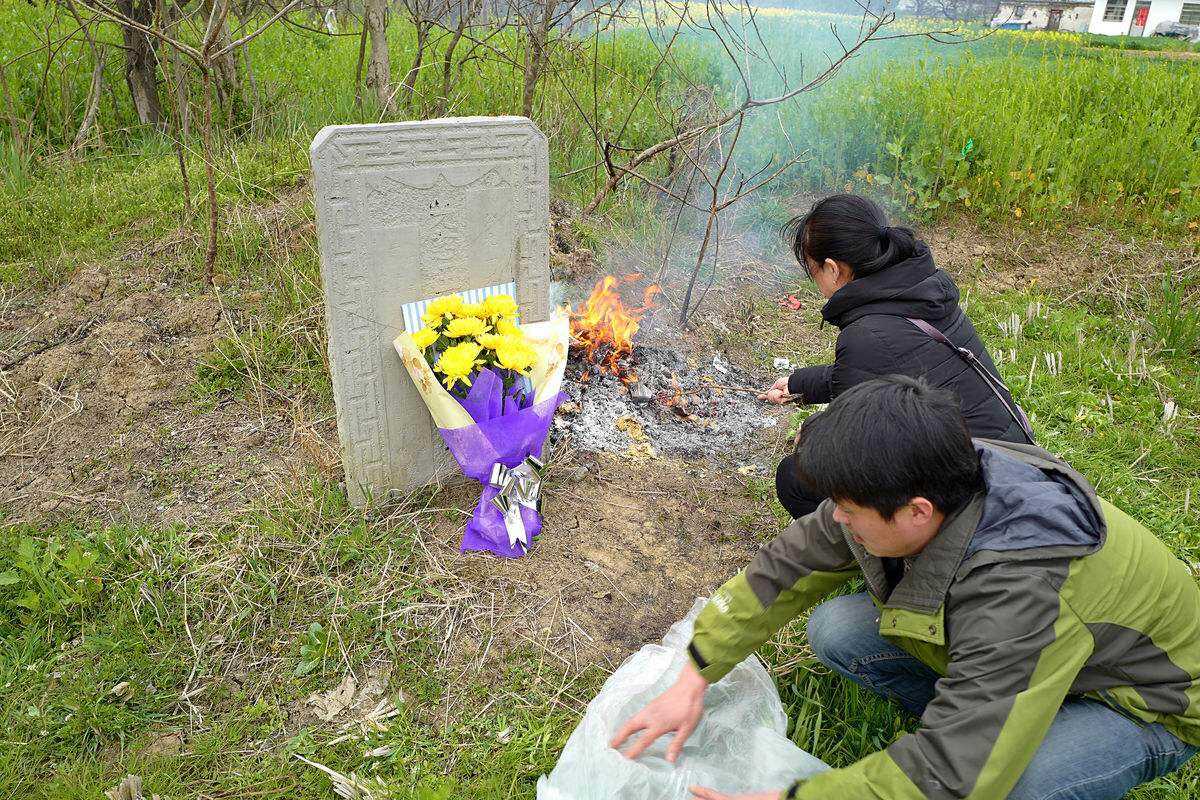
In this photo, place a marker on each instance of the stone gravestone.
(407, 212)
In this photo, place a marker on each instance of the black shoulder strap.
(993, 382)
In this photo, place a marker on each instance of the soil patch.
(1072, 262)
(628, 545)
(97, 419)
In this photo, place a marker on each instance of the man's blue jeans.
(1090, 752)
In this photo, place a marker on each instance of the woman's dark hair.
(886, 441)
(851, 229)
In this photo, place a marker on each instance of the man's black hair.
(886, 441)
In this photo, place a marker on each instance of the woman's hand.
(677, 710)
(778, 393)
(700, 793)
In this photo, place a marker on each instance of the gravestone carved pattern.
(406, 212)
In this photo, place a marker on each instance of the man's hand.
(677, 710)
(778, 393)
(700, 793)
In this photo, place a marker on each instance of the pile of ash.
(675, 407)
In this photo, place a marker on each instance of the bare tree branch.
(234, 45)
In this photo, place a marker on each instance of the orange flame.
(603, 327)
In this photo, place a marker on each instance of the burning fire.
(603, 327)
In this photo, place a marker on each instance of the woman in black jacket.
(878, 279)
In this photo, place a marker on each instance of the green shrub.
(1153, 43)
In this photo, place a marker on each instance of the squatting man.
(1048, 642)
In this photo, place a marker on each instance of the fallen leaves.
(123, 691)
(330, 705)
(130, 788)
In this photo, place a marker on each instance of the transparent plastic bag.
(739, 746)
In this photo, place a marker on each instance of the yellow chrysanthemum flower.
(457, 362)
(506, 327)
(446, 306)
(425, 337)
(489, 340)
(473, 310)
(515, 354)
(465, 326)
(500, 305)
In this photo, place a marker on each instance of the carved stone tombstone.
(407, 212)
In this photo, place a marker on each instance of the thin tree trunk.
(379, 68)
(358, 71)
(533, 61)
(183, 101)
(466, 12)
(210, 255)
(254, 104)
(685, 310)
(226, 78)
(176, 79)
(94, 93)
(183, 175)
(536, 56)
(97, 83)
(409, 85)
(140, 62)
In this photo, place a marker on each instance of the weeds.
(15, 167)
(262, 357)
(1027, 136)
(1174, 318)
(1152, 43)
(48, 580)
(314, 647)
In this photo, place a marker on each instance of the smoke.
(805, 139)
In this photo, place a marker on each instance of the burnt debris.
(663, 403)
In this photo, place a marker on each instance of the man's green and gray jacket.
(1036, 589)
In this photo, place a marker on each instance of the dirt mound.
(627, 546)
(97, 415)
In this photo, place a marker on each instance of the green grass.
(1104, 411)
(301, 598)
(1151, 43)
(1016, 127)
(251, 618)
(1027, 137)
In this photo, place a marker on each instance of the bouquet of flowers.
(492, 386)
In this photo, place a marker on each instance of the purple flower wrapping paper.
(493, 425)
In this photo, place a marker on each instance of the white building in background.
(1141, 17)
(1044, 15)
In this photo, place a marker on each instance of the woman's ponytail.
(851, 229)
